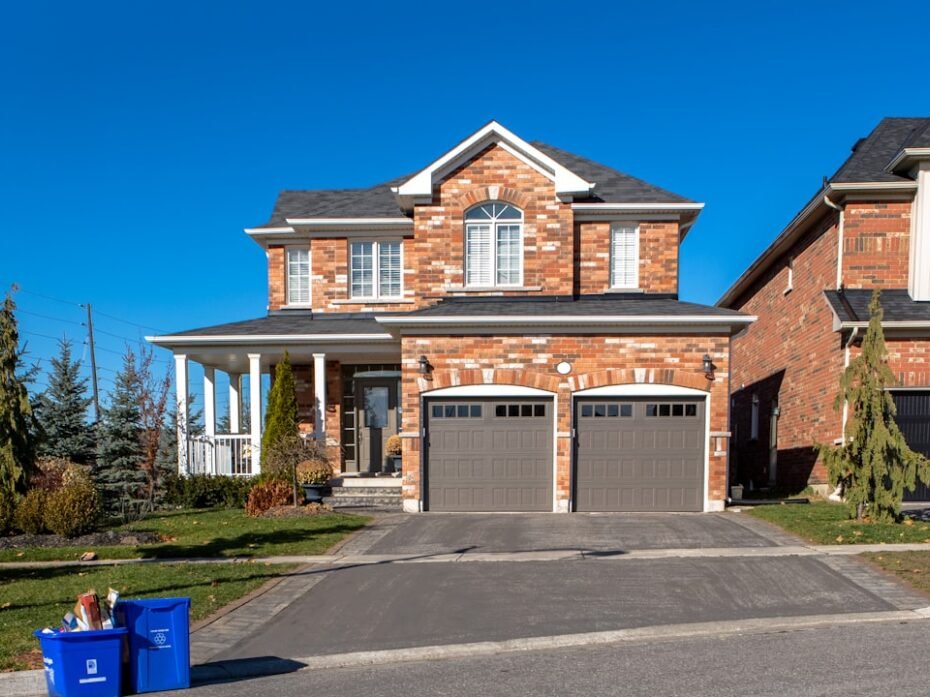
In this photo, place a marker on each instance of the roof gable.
(419, 187)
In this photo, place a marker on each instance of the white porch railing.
(227, 454)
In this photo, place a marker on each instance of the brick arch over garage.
(483, 194)
(641, 376)
(457, 377)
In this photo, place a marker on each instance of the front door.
(376, 401)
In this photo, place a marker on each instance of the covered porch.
(348, 389)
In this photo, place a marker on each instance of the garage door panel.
(651, 461)
(503, 455)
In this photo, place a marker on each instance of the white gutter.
(203, 339)
(349, 222)
(891, 324)
(633, 207)
(568, 321)
(840, 235)
(908, 154)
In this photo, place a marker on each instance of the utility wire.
(55, 319)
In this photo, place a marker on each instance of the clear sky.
(137, 139)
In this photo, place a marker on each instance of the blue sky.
(138, 139)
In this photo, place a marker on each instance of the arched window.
(494, 245)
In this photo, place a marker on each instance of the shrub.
(283, 457)
(267, 494)
(30, 512)
(7, 509)
(51, 472)
(205, 491)
(74, 509)
(393, 447)
(314, 472)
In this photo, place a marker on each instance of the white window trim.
(493, 250)
(287, 275)
(636, 255)
(376, 271)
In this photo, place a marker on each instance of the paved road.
(843, 662)
(402, 605)
(544, 532)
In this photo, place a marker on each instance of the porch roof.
(851, 309)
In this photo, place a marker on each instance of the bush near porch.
(825, 523)
(211, 533)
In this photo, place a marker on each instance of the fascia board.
(205, 339)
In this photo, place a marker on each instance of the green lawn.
(215, 533)
(31, 599)
(911, 567)
(827, 523)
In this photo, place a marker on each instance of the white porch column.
(181, 398)
(255, 408)
(319, 392)
(919, 282)
(209, 414)
(235, 402)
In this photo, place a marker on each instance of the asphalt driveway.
(444, 533)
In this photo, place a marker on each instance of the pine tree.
(281, 415)
(18, 426)
(62, 411)
(119, 444)
(874, 466)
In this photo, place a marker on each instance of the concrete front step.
(341, 491)
(382, 501)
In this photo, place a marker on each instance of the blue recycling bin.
(83, 664)
(159, 642)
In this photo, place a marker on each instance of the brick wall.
(559, 256)
(531, 361)
(876, 241)
(658, 257)
(792, 355)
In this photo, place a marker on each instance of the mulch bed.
(95, 539)
(299, 512)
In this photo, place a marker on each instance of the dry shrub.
(267, 494)
(74, 509)
(30, 512)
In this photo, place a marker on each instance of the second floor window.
(494, 245)
(298, 276)
(624, 255)
(375, 269)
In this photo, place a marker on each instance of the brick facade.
(791, 356)
(530, 361)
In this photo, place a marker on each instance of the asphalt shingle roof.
(871, 156)
(293, 322)
(378, 201)
(853, 305)
(620, 304)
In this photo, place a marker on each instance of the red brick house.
(868, 227)
(511, 311)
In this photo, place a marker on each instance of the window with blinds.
(494, 245)
(624, 256)
(376, 269)
(298, 276)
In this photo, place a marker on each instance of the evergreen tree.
(119, 444)
(166, 462)
(62, 411)
(281, 415)
(874, 465)
(18, 426)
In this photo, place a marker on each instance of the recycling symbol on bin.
(159, 639)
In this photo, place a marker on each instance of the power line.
(49, 297)
(133, 324)
(55, 319)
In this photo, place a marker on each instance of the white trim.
(319, 395)
(493, 224)
(420, 186)
(255, 409)
(488, 390)
(268, 230)
(615, 228)
(287, 276)
(351, 222)
(607, 208)
(573, 320)
(717, 505)
(641, 390)
(901, 324)
(872, 186)
(907, 154)
(172, 340)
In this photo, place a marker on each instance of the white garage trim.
(492, 390)
(641, 390)
(488, 391)
(653, 390)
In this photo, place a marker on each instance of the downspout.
(849, 342)
(840, 234)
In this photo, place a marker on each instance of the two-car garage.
(630, 453)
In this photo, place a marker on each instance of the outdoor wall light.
(425, 367)
(709, 367)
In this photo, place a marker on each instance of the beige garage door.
(489, 454)
(639, 454)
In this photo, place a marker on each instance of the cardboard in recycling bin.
(82, 664)
(159, 642)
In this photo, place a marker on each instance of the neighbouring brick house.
(868, 227)
(511, 311)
